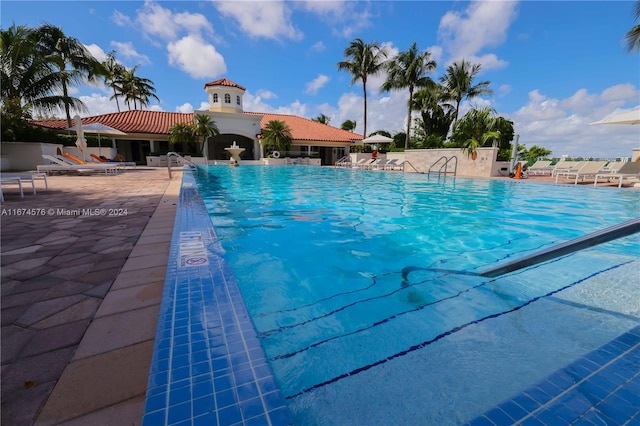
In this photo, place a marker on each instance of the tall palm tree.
(458, 80)
(136, 89)
(363, 60)
(408, 70)
(113, 76)
(72, 62)
(205, 127)
(277, 136)
(633, 36)
(183, 134)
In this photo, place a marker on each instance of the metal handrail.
(409, 163)
(445, 166)
(175, 154)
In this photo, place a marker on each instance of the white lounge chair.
(361, 162)
(28, 178)
(589, 169)
(62, 166)
(541, 167)
(10, 181)
(629, 170)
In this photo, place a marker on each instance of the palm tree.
(113, 76)
(633, 36)
(71, 61)
(277, 136)
(136, 89)
(348, 125)
(436, 113)
(183, 134)
(458, 80)
(407, 70)
(364, 60)
(477, 128)
(322, 119)
(205, 126)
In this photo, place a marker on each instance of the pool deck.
(81, 295)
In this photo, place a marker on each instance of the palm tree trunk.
(364, 88)
(406, 139)
(65, 93)
(115, 95)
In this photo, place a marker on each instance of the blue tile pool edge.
(602, 387)
(208, 366)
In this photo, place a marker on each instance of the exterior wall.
(221, 106)
(484, 165)
(635, 154)
(21, 156)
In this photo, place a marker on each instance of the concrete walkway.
(82, 274)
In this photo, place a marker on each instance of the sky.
(554, 67)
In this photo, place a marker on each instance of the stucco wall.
(23, 156)
(485, 165)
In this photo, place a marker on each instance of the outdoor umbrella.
(81, 142)
(375, 140)
(99, 129)
(629, 117)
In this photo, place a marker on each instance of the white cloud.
(270, 19)
(318, 83)
(96, 51)
(563, 125)
(626, 92)
(121, 20)
(126, 50)
(481, 25)
(197, 58)
(266, 94)
(318, 46)
(185, 107)
(99, 104)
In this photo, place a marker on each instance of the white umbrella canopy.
(375, 139)
(629, 117)
(81, 142)
(96, 128)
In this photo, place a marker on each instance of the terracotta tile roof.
(223, 82)
(159, 123)
(309, 130)
(136, 121)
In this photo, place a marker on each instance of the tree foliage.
(276, 136)
(408, 71)
(480, 128)
(363, 60)
(633, 35)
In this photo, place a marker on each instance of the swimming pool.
(318, 255)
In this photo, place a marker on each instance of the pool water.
(318, 254)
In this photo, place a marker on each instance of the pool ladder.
(444, 166)
(192, 165)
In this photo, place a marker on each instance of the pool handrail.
(614, 232)
(169, 154)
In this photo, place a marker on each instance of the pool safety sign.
(191, 250)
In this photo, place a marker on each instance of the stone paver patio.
(80, 295)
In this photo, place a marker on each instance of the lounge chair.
(28, 178)
(120, 163)
(10, 181)
(629, 170)
(361, 162)
(541, 167)
(589, 169)
(563, 166)
(63, 166)
(612, 167)
(371, 164)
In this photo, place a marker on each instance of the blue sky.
(554, 67)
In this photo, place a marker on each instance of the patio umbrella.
(375, 140)
(629, 117)
(100, 129)
(81, 142)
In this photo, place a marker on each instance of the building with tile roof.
(147, 132)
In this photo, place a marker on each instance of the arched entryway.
(218, 144)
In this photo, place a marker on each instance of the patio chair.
(541, 167)
(63, 166)
(629, 170)
(589, 169)
(361, 162)
(28, 178)
(120, 163)
(9, 181)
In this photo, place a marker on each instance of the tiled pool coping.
(208, 367)
(601, 388)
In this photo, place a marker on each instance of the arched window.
(215, 98)
(238, 99)
(227, 98)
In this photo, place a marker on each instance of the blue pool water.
(318, 255)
